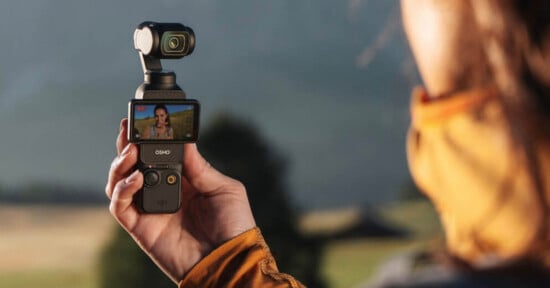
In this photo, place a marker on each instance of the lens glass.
(173, 44)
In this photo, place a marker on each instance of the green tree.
(238, 150)
(123, 265)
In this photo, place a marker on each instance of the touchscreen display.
(164, 121)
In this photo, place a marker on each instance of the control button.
(171, 179)
(151, 178)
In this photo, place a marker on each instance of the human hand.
(214, 209)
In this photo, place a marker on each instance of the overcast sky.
(326, 82)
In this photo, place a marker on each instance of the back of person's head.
(515, 37)
(493, 194)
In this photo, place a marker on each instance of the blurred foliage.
(123, 265)
(237, 150)
(51, 192)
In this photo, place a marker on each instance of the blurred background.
(314, 92)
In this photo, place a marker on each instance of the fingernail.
(132, 178)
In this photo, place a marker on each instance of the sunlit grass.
(51, 245)
(49, 279)
(348, 263)
(58, 246)
(351, 262)
(419, 217)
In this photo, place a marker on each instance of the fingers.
(202, 176)
(121, 206)
(121, 167)
(122, 139)
(121, 185)
(125, 160)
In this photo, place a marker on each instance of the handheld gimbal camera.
(161, 119)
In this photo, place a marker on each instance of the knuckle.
(113, 205)
(118, 169)
(114, 165)
(236, 185)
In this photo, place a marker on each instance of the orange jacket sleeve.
(244, 261)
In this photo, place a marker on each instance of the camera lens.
(173, 43)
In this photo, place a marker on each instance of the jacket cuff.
(227, 261)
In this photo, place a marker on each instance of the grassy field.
(57, 246)
(51, 246)
(348, 263)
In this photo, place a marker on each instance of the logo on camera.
(163, 152)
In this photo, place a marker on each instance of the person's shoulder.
(427, 270)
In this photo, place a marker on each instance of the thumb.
(201, 175)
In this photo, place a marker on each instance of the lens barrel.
(164, 40)
(174, 43)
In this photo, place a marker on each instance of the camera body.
(161, 119)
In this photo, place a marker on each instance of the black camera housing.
(164, 40)
(161, 154)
